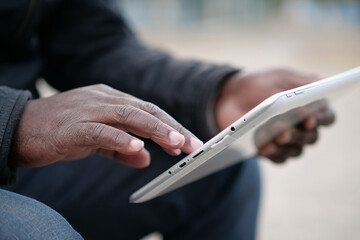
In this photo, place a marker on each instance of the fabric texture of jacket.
(75, 43)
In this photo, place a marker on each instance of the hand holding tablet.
(242, 92)
(288, 118)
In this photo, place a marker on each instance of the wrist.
(226, 103)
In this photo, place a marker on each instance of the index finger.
(191, 142)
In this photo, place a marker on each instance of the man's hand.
(241, 92)
(91, 120)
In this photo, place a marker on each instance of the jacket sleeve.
(12, 103)
(89, 42)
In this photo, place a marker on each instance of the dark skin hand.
(95, 120)
(241, 92)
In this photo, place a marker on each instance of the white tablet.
(242, 138)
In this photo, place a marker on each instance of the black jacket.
(74, 43)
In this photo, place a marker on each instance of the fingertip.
(195, 143)
(284, 137)
(310, 123)
(142, 160)
(177, 152)
(136, 145)
(279, 160)
(191, 145)
(172, 152)
(267, 150)
(146, 158)
(327, 118)
(176, 139)
(144, 164)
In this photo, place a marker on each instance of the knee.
(26, 218)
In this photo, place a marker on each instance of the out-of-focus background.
(316, 196)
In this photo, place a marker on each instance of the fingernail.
(176, 138)
(177, 152)
(268, 150)
(284, 138)
(136, 145)
(196, 143)
(311, 123)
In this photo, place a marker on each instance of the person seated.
(113, 90)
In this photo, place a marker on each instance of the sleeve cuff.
(12, 103)
(207, 124)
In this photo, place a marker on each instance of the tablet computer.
(241, 139)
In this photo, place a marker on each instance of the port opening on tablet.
(198, 154)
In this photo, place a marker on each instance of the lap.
(26, 218)
(93, 195)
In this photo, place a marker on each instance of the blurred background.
(316, 196)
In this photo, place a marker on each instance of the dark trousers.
(93, 195)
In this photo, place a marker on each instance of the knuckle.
(89, 135)
(126, 112)
(152, 108)
(101, 86)
(119, 137)
(95, 91)
(96, 87)
(181, 129)
(155, 126)
(96, 132)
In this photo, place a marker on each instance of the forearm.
(185, 89)
(114, 56)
